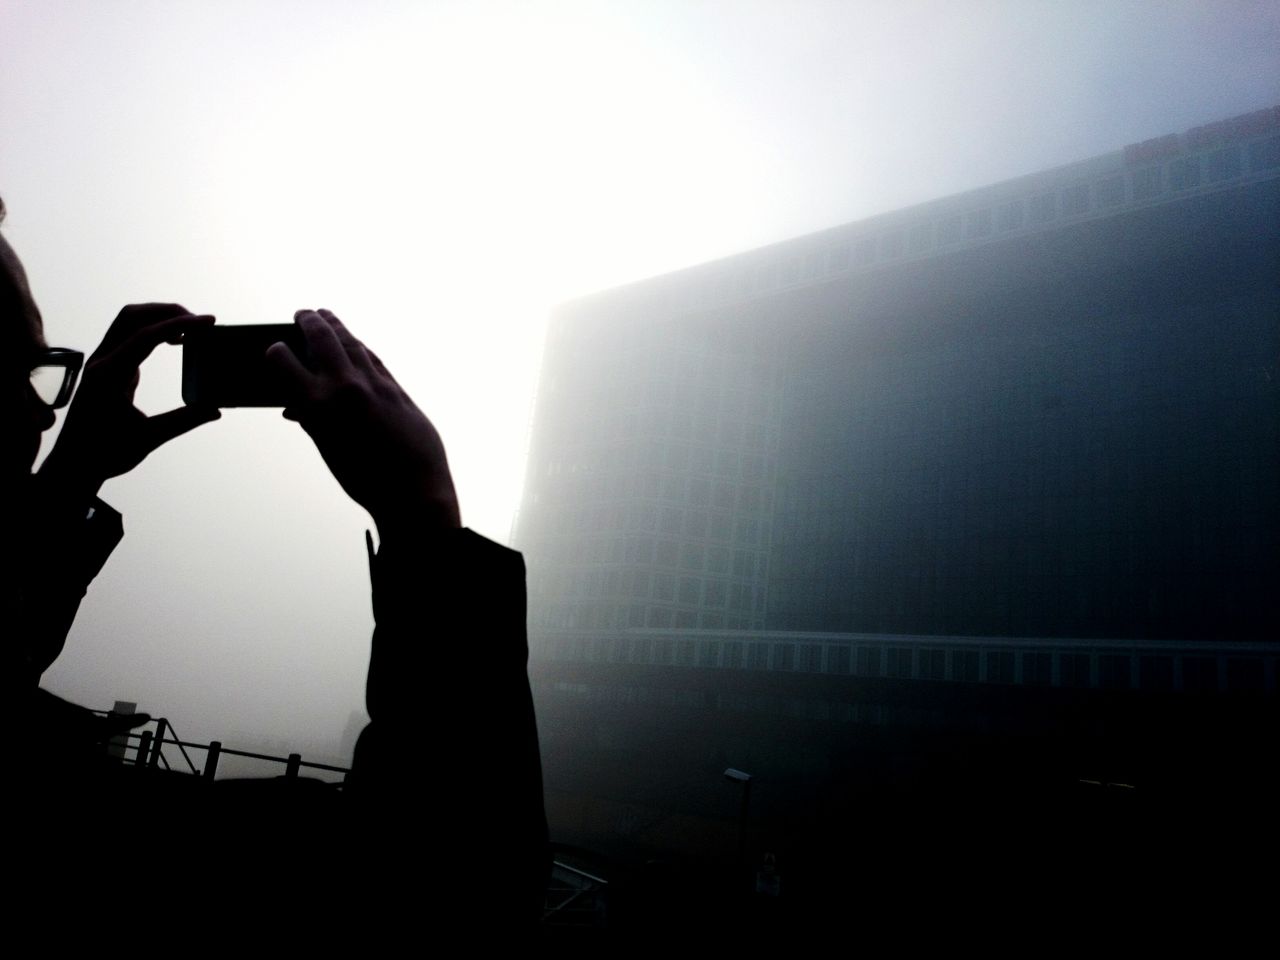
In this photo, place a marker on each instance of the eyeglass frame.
(72, 361)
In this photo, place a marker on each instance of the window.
(700, 458)
(1044, 208)
(718, 559)
(691, 556)
(1075, 200)
(1223, 164)
(812, 266)
(721, 527)
(1199, 674)
(659, 617)
(1156, 673)
(948, 230)
(1184, 173)
(1000, 666)
(811, 658)
(644, 549)
(784, 656)
(672, 520)
(696, 523)
(1010, 216)
(1147, 182)
(1074, 670)
(662, 650)
(964, 665)
(1037, 668)
(640, 585)
(978, 224)
(1245, 674)
(1111, 191)
(868, 661)
(733, 655)
(933, 664)
(664, 587)
(838, 259)
(891, 245)
(1264, 155)
(1113, 672)
(920, 237)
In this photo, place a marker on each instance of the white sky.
(441, 174)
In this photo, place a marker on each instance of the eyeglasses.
(53, 375)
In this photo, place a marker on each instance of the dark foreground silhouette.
(442, 816)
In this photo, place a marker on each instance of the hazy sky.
(440, 174)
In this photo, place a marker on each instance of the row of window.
(712, 532)
(749, 527)
(712, 593)
(1138, 185)
(608, 616)
(700, 410)
(626, 475)
(1197, 672)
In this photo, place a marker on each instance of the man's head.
(23, 416)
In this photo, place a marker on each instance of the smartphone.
(226, 366)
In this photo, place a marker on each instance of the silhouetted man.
(446, 781)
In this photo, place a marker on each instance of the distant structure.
(1026, 434)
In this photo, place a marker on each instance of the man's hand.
(105, 435)
(381, 448)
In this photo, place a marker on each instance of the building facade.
(1047, 409)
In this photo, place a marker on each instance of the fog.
(440, 175)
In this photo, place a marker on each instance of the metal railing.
(575, 898)
(149, 752)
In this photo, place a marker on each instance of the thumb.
(163, 427)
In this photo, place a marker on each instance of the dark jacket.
(443, 809)
(450, 762)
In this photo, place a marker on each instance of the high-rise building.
(1048, 408)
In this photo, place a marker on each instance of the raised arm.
(449, 768)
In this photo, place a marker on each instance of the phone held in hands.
(226, 366)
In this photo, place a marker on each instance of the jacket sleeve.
(65, 545)
(450, 762)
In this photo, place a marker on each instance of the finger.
(290, 369)
(378, 364)
(133, 318)
(163, 427)
(356, 351)
(323, 346)
(381, 369)
(128, 355)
